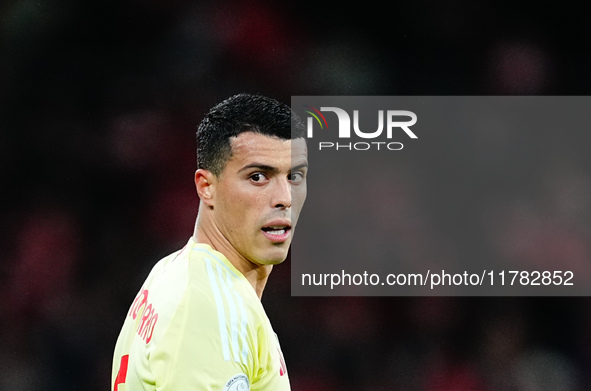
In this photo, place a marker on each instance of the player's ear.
(205, 185)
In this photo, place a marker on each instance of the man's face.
(260, 194)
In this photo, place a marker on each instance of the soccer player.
(197, 322)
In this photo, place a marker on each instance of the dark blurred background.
(99, 102)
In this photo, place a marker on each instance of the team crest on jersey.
(238, 383)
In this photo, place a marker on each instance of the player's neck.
(256, 275)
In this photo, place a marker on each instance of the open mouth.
(277, 233)
(276, 230)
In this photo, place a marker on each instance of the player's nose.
(282, 194)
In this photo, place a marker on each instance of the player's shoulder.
(166, 283)
(170, 270)
(205, 278)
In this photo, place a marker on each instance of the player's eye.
(296, 177)
(257, 177)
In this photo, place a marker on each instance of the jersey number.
(122, 374)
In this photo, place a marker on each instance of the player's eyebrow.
(299, 166)
(262, 167)
(271, 169)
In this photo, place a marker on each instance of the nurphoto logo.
(396, 121)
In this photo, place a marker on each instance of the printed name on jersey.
(238, 383)
(148, 315)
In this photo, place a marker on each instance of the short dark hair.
(237, 114)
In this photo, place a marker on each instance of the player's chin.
(274, 256)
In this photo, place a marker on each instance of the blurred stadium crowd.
(99, 101)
